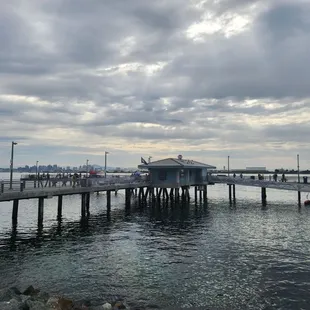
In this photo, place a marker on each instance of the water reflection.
(215, 254)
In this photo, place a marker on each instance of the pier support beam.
(205, 193)
(87, 202)
(264, 195)
(59, 209)
(40, 211)
(15, 211)
(299, 199)
(83, 205)
(128, 197)
(109, 200)
(234, 192)
(229, 189)
(176, 193)
(195, 190)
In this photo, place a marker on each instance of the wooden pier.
(263, 184)
(142, 188)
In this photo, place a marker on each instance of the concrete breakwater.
(33, 299)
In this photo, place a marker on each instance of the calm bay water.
(210, 256)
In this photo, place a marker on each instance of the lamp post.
(228, 165)
(37, 171)
(11, 164)
(105, 163)
(87, 167)
(298, 168)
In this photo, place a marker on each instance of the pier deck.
(289, 186)
(29, 192)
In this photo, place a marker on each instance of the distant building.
(256, 168)
(176, 172)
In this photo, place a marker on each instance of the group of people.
(275, 177)
(262, 177)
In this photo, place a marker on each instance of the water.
(216, 256)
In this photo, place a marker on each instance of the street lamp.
(11, 164)
(87, 167)
(37, 175)
(228, 164)
(298, 168)
(105, 163)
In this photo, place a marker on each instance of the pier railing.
(41, 184)
(248, 181)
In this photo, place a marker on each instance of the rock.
(12, 304)
(43, 296)
(59, 303)
(119, 305)
(31, 291)
(35, 305)
(15, 290)
(7, 294)
(65, 304)
(81, 305)
(107, 306)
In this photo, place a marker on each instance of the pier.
(168, 180)
(263, 184)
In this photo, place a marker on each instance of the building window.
(162, 175)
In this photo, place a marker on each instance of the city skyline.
(205, 79)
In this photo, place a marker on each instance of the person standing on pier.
(74, 179)
(283, 178)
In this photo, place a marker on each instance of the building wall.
(177, 177)
(171, 179)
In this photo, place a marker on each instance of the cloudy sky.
(202, 78)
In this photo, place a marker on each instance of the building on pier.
(177, 172)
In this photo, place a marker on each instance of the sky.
(205, 79)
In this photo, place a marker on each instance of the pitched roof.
(176, 163)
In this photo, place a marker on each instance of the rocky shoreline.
(33, 299)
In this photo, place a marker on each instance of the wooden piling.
(128, 198)
(234, 191)
(59, 209)
(264, 195)
(109, 200)
(229, 189)
(188, 197)
(177, 193)
(40, 210)
(195, 190)
(299, 198)
(87, 202)
(205, 193)
(83, 205)
(15, 211)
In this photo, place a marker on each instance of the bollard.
(2, 187)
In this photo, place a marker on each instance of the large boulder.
(7, 294)
(59, 303)
(12, 304)
(107, 306)
(31, 291)
(36, 305)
